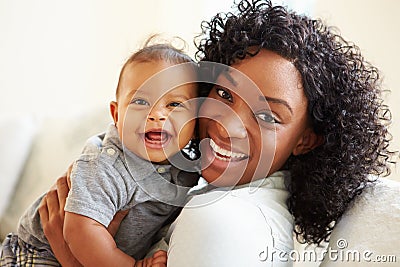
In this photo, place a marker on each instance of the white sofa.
(38, 150)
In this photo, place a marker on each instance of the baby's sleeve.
(95, 190)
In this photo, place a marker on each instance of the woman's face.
(249, 133)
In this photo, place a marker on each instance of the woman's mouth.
(225, 155)
(218, 162)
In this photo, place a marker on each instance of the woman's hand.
(51, 212)
(51, 209)
(159, 259)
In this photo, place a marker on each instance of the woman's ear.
(307, 142)
(114, 111)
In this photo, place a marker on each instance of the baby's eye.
(224, 93)
(140, 101)
(267, 117)
(176, 104)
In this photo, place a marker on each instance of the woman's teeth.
(224, 154)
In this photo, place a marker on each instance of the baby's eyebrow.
(178, 96)
(278, 101)
(140, 91)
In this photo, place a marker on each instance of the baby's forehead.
(142, 71)
(160, 75)
(160, 91)
(161, 65)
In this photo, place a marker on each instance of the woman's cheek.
(210, 108)
(265, 153)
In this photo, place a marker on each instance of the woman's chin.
(221, 179)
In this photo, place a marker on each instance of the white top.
(246, 226)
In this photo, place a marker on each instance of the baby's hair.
(345, 106)
(156, 50)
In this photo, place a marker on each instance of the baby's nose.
(157, 115)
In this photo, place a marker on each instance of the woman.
(325, 124)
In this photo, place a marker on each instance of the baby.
(154, 121)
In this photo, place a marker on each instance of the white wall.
(59, 57)
(375, 27)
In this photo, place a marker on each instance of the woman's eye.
(140, 101)
(267, 117)
(224, 94)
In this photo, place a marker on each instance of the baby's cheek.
(186, 133)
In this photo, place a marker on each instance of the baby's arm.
(52, 218)
(92, 244)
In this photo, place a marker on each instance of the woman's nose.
(230, 125)
(228, 122)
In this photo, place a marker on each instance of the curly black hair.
(344, 105)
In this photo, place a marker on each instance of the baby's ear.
(114, 111)
(307, 142)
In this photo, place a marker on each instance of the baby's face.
(156, 110)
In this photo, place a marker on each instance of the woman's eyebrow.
(262, 98)
(229, 77)
(276, 100)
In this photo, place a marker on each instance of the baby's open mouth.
(157, 137)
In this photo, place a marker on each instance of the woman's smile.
(219, 159)
(225, 155)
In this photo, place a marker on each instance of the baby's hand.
(159, 259)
